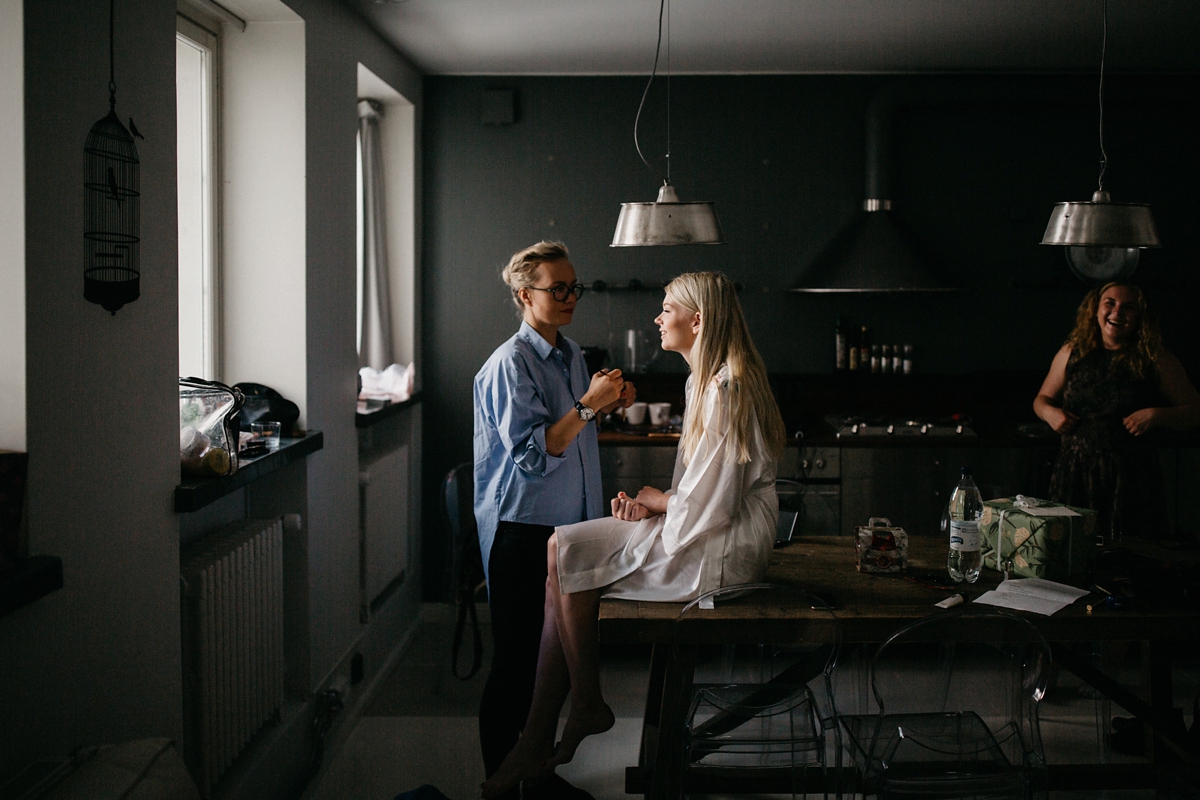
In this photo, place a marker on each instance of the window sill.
(28, 580)
(195, 493)
(365, 419)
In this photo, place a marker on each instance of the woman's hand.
(653, 499)
(626, 508)
(1061, 421)
(1141, 421)
(605, 390)
(628, 395)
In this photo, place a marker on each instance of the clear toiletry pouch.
(208, 432)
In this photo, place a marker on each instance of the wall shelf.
(28, 580)
(365, 419)
(195, 493)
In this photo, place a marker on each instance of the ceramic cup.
(660, 413)
(636, 414)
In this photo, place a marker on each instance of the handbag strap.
(466, 606)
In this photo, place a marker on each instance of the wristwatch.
(585, 413)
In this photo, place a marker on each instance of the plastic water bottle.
(965, 509)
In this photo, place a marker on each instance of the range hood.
(872, 254)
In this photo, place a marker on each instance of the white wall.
(263, 209)
(97, 661)
(12, 227)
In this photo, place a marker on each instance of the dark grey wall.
(976, 168)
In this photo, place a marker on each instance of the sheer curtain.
(375, 326)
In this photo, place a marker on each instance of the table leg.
(659, 655)
(1149, 713)
(666, 776)
(1156, 666)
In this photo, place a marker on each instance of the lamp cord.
(112, 80)
(1103, 50)
(661, 7)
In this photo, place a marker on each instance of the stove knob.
(891, 429)
(958, 429)
(820, 463)
(854, 428)
(925, 428)
(804, 465)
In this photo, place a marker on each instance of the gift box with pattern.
(1052, 547)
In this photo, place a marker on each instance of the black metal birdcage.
(112, 226)
(113, 221)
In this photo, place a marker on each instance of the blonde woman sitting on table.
(714, 527)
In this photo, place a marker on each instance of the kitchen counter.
(818, 433)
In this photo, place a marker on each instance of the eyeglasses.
(560, 291)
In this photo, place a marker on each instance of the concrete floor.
(420, 727)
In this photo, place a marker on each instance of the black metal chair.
(458, 512)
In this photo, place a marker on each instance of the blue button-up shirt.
(525, 387)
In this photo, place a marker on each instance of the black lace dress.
(1101, 465)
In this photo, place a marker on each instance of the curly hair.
(1142, 355)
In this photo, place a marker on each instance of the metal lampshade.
(1102, 223)
(667, 221)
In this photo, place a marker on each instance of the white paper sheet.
(1049, 511)
(1032, 594)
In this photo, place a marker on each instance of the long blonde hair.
(1142, 354)
(725, 339)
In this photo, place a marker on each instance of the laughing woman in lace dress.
(713, 528)
(1111, 383)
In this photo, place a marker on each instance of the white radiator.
(385, 488)
(232, 592)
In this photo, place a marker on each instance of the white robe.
(718, 530)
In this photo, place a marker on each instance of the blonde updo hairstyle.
(724, 338)
(521, 270)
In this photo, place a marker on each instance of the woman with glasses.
(537, 465)
(714, 527)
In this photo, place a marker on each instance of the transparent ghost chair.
(956, 709)
(761, 718)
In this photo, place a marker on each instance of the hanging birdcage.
(112, 226)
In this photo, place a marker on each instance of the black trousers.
(516, 598)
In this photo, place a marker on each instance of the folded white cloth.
(394, 383)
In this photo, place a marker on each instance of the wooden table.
(869, 608)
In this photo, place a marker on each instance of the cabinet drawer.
(637, 461)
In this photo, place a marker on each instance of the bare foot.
(524, 762)
(581, 723)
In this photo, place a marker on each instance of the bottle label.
(964, 535)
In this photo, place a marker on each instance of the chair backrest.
(978, 660)
(458, 511)
(746, 659)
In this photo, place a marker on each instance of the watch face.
(585, 413)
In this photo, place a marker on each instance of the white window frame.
(202, 36)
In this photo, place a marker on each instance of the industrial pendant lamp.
(668, 220)
(1103, 238)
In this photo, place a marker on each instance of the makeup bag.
(208, 432)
